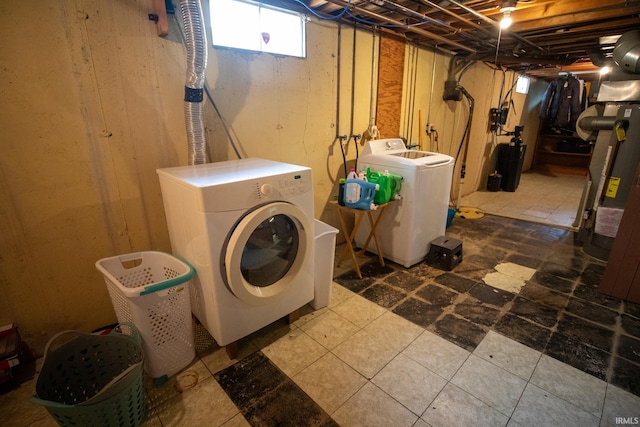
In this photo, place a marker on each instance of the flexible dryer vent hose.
(196, 43)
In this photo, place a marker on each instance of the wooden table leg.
(349, 239)
(372, 233)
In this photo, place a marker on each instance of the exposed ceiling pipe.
(410, 12)
(455, 15)
(497, 25)
(416, 30)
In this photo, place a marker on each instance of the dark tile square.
(275, 409)
(459, 331)
(477, 312)
(523, 331)
(482, 261)
(591, 294)
(553, 282)
(250, 379)
(351, 281)
(404, 280)
(513, 233)
(543, 295)
(436, 295)
(573, 351)
(383, 295)
(418, 312)
(559, 270)
(524, 260)
(490, 295)
(374, 269)
(587, 332)
(530, 227)
(455, 282)
(592, 312)
(535, 312)
(629, 348)
(631, 325)
(626, 375)
(632, 309)
(506, 244)
(554, 234)
(421, 270)
(572, 262)
(592, 274)
(471, 271)
(532, 248)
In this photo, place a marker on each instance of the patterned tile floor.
(541, 197)
(421, 347)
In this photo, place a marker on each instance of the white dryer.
(247, 228)
(409, 224)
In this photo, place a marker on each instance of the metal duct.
(627, 52)
(196, 44)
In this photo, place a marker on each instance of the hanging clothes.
(569, 105)
(561, 104)
(550, 99)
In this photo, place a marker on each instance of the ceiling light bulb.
(506, 21)
(605, 70)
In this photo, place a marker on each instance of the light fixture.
(605, 70)
(506, 8)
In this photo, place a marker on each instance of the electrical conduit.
(196, 44)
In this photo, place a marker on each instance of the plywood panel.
(390, 75)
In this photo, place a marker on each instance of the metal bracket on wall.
(161, 8)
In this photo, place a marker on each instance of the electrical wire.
(353, 93)
(433, 78)
(325, 17)
(346, 11)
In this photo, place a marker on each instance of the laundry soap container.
(325, 249)
(151, 290)
(389, 185)
(360, 194)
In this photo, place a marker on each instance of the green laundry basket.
(93, 380)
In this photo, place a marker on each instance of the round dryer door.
(266, 251)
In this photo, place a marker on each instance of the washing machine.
(246, 226)
(420, 215)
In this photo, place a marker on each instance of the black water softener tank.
(510, 160)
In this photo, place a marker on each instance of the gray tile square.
(456, 407)
(489, 383)
(437, 354)
(508, 354)
(579, 388)
(538, 407)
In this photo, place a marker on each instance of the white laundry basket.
(151, 289)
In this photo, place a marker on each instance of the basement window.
(255, 26)
(522, 86)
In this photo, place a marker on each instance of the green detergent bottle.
(389, 185)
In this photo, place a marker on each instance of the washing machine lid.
(266, 252)
(393, 152)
